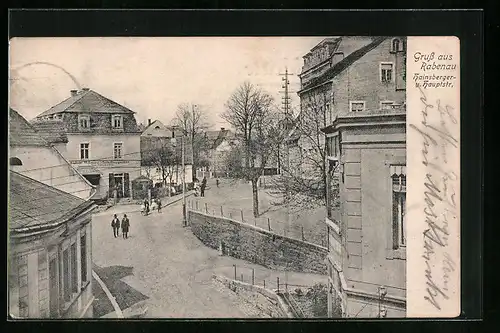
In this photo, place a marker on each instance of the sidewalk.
(134, 208)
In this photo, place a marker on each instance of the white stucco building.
(103, 140)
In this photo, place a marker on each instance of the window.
(398, 176)
(84, 151)
(386, 69)
(396, 45)
(83, 252)
(53, 290)
(332, 189)
(117, 150)
(117, 121)
(74, 274)
(357, 106)
(384, 105)
(66, 281)
(333, 146)
(84, 121)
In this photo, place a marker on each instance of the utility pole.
(286, 109)
(193, 172)
(184, 221)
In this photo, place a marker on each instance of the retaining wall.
(260, 246)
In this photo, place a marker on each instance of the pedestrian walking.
(159, 205)
(203, 185)
(146, 206)
(125, 226)
(115, 224)
(217, 181)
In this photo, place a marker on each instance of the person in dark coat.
(158, 203)
(146, 206)
(125, 226)
(217, 181)
(115, 224)
(203, 185)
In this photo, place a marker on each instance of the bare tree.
(250, 112)
(306, 176)
(192, 121)
(160, 154)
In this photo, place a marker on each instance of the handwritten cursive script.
(436, 129)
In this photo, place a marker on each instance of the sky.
(152, 76)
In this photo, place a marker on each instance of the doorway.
(119, 184)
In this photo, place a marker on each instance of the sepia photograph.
(211, 177)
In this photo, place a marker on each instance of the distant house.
(49, 252)
(103, 140)
(158, 129)
(40, 155)
(161, 154)
(219, 149)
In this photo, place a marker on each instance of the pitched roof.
(223, 134)
(343, 64)
(53, 131)
(161, 131)
(151, 143)
(21, 132)
(86, 101)
(33, 203)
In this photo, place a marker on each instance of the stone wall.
(257, 245)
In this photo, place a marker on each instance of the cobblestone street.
(173, 270)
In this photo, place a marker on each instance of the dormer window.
(117, 121)
(396, 45)
(84, 121)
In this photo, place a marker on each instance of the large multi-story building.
(103, 140)
(50, 251)
(366, 152)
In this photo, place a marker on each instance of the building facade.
(103, 140)
(50, 252)
(366, 163)
(41, 157)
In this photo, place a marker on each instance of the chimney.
(149, 122)
(74, 92)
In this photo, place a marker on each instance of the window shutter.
(395, 230)
(111, 184)
(126, 185)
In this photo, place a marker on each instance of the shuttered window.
(398, 178)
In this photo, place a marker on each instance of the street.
(164, 265)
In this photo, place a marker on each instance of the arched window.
(396, 45)
(15, 161)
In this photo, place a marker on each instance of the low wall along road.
(260, 246)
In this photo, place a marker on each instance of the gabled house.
(49, 252)
(158, 129)
(40, 155)
(103, 140)
(366, 152)
(161, 155)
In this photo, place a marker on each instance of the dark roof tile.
(87, 101)
(52, 131)
(21, 132)
(34, 203)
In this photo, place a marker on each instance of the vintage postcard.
(234, 177)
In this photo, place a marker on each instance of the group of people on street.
(200, 188)
(124, 224)
(155, 204)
